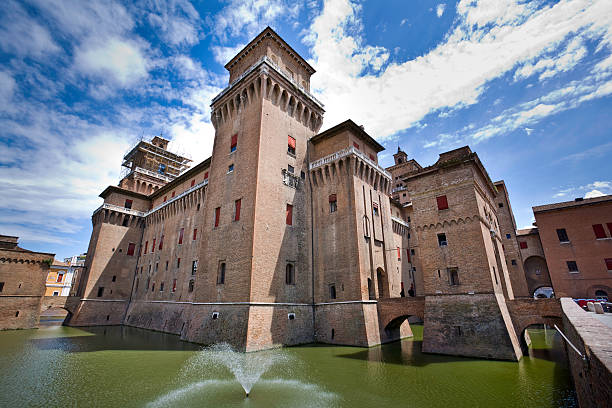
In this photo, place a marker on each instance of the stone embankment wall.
(593, 376)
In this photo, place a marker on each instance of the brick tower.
(254, 287)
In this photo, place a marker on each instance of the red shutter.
(192, 182)
(289, 218)
(442, 202)
(237, 215)
(153, 246)
(131, 249)
(217, 216)
(332, 198)
(234, 140)
(146, 246)
(206, 176)
(399, 256)
(356, 145)
(371, 157)
(181, 233)
(173, 194)
(161, 242)
(408, 254)
(195, 234)
(599, 231)
(165, 198)
(609, 263)
(523, 245)
(291, 142)
(128, 204)
(174, 285)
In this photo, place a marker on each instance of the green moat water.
(127, 367)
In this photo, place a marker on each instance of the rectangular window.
(453, 276)
(513, 262)
(178, 262)
(523, 245)
(572, 266)
(165, 198)
(599, 231)
(508, 236)
(192, 182)
(191, 285)
(608, 262)
(173, 194)
(161, 242)
(194, 267)
(290, 145)
(153, 246)
(206, 176)
(131, 249)
(356, 145)
(501, 205)
(128, 204)
(100, 291)
(1, 286)
(289, 215)
(237, 205)
(234, 143)
(375, 208)
(230, 168)
(332, 291)
(221, 274)
(372, 157)
(167, 265)
(442, 240)
(399, 256)
(162, 168)
(195, 234)
(333, 203)
(562, 234)
(217, 216)
(290, 169)
(181, 233)
(156, 266)
(146, 247)
(290, 274)
(442, 202)
(148, 283)
(161, 287)
(408, 255)
(60, 277)
(173, 285)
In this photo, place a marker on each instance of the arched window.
(601, 295)
(366, 226)
(290, 274)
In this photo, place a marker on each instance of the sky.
(526, 84)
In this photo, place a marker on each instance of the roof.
(57, 262)
(527, 231)
(179, 179)
(579, 202)
(352, 126)
(268, 32)
(115, 189)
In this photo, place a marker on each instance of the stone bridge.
(393, 311)
(68, 303)
(526, 312)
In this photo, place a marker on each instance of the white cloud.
(224, 54)
(177, 21)
(440, 9)
(594, 189)
(7, 88)
(489, 40)
(593, 194)
(122, 59)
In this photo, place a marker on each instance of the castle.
(287, 236)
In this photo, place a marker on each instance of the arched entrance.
(536, 273)
(54, 316)
(599, 292)
(601, 295)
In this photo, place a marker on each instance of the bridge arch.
(55, 316)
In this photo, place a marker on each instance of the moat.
(127, 367)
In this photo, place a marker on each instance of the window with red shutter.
(131, 249)
(192, 182)
(356, 145)
(174, 285)
(372, 157)
(408, 255)
(608, 264)
(146, 246)
(399, 256)
(289, 217)
(290, 145)
(153, 246)
(206, 176)
(161, 242)
(599, 231)
(195, 234)
(237, 205)
(128, 204)
(442, 202)
(217, 216)
(523, 245)
(181, 234)
(234, 143)
(173, 194)
(165, 198)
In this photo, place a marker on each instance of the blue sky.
(528, 85)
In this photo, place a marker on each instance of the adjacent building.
(59, 279)
(22, 284)
(576, 238)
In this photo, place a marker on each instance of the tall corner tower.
(255, 283)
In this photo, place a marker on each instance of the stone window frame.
(290, 273)
(453, 276)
